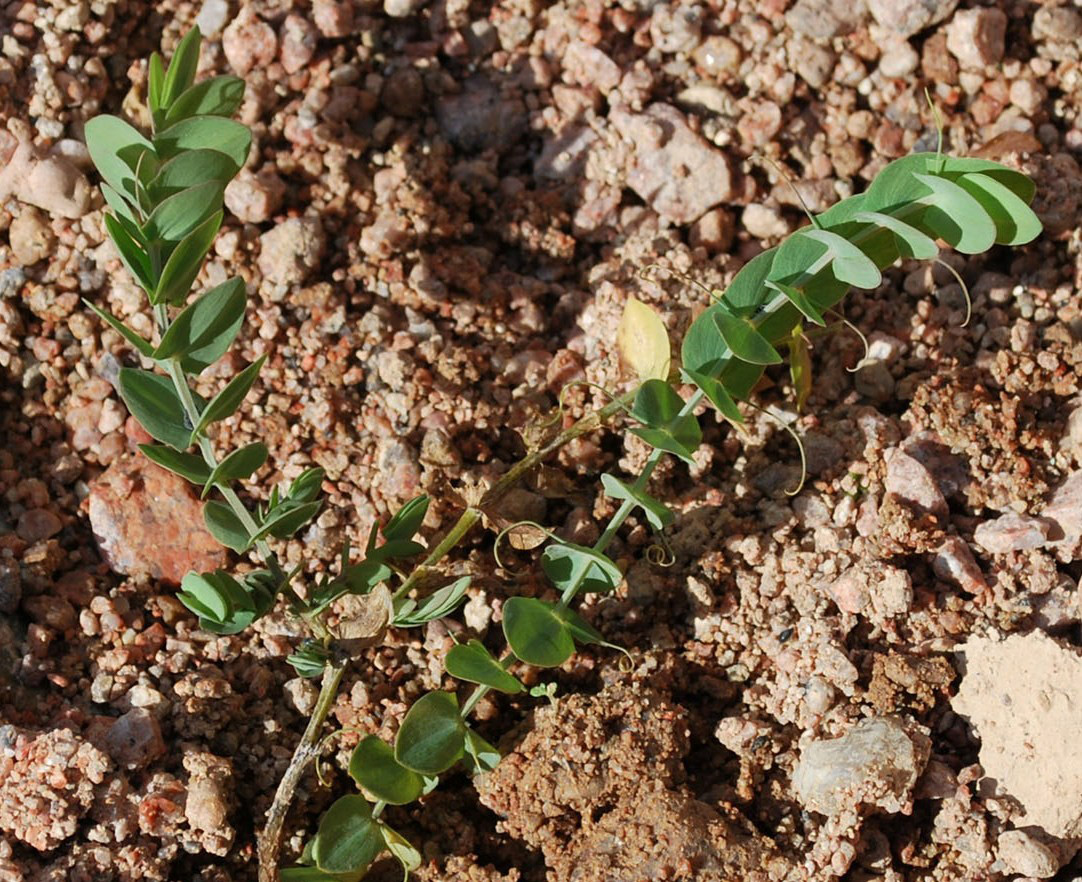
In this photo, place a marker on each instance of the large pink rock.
(148, 522)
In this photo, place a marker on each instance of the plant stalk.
(270, 840)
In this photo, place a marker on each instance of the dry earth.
(445, 210)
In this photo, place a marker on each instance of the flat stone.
(677, 172)
(148, 522)
(1021, 695)
(1012, 532)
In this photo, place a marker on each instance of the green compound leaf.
(744, 339)
(954, 215)
(801, 301)
(398, 845)
(716, 394)
(1015, 181)
(182, 68)
(480, 755)
(177, 215)
(851, 265)
(348, 839)
(115, 148)
(185, 262)
(218, 96)
(226, 402)
(131, 253)
(657, 513)
(237, 466)
(226, 527)
(568, 564)
(205, 330)
(535, 633)
(1016, 224)
(374, 768)
(441, 603)
(153, 401)
(474, 663)
(658, 406)
(144, 347)
(190, 169)
(432, 736)
(189, 466)
(224, 605)
(205, 133)
(911, 242)
(406, 521)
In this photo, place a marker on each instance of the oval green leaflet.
(474, 663)
(375, 769)
(535, 633)
(432, 736)
(348, 839)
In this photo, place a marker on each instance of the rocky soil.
(446, 207)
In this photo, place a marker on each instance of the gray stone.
(480, 118)
(874, 764)
(908, 17)
(826, 19)
(673, 169)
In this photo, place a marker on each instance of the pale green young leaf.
(189, 466)
(1016, 224)
(911, 241)
(115, 148)
(176, 216)
(374, 768)
(155, 79)
(144, 347)
(439, 604)
(131, 254)
(153, 401)
(206, 328)
(398, 845)
(432, 736)
(185, 262)
(474, 663)
(205, 133)
(535, 633)
(190, 169)
(237, 466)
(182, 68)
(348, 839)
(407, 520)
(851, 265)
(226, 527)
(122, 209)
(226, 402)
(217, 96)
(954, 215)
